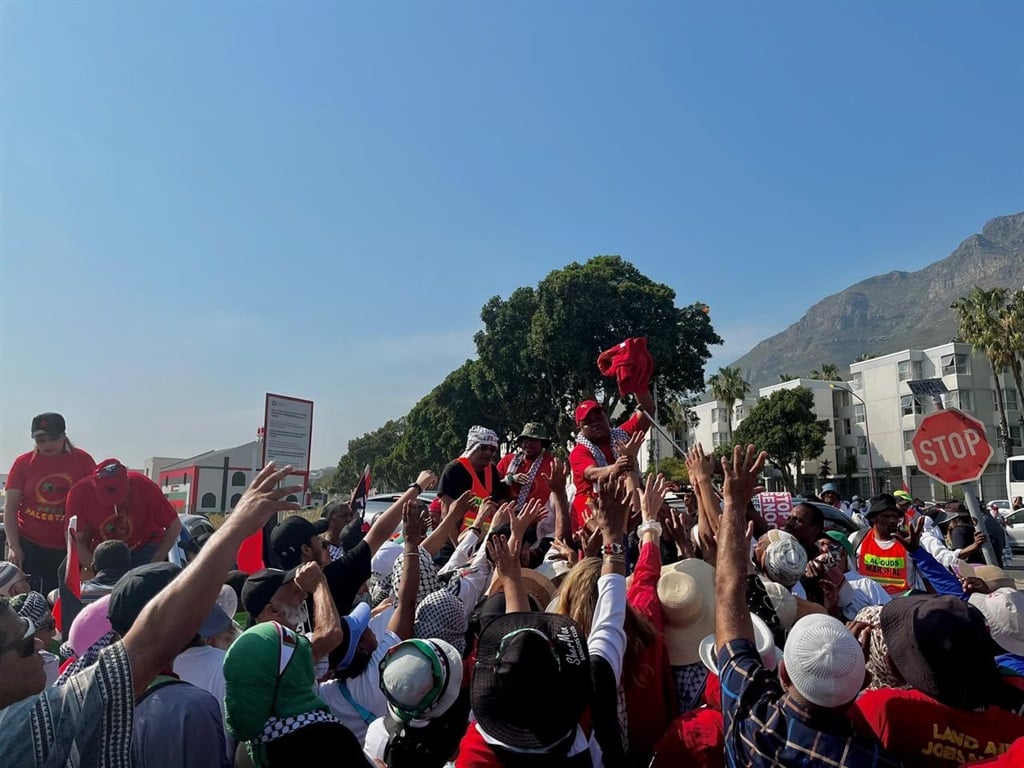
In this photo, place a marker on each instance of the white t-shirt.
(203, 666)
(364, 690)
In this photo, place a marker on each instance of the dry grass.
(310, 514)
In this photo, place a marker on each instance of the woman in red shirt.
(37, 487)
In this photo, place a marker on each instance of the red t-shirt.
(581, 459)
(927, 734)
(142, 519)
(44, 482)
(540, 489)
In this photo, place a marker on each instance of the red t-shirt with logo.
(142, 519)
(928, 734)
(44, 482)
(540, 489)
(581, 459)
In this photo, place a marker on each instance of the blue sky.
(203, 202)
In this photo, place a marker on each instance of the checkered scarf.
(276, 727)
(428, 575)
(442, 615)
(87, 659)
(877, 665)
(524, 491)
(617, 436)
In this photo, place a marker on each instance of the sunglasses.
(110, 470)
(24, 645)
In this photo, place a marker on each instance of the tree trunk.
(1001, 407)
(1018, 382)
(787, 476)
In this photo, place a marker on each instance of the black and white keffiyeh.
(277, 727)
(428, 575)
(442, 615)
(513, 468)
(617, 436)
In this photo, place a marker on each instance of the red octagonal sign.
(951, 447)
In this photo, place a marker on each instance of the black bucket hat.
(515, 652)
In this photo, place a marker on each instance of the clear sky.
(202, 202)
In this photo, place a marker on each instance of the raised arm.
(173, 617)
(386, 524)
(12, 499)
(450, 521)
(649, 409)
(732, 620)
(505, 555)
(327, 634)
(414, 523)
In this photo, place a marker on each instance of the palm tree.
(979, 313)
(827, 372)
(728, 386)
(783, 377)
(1011, 325)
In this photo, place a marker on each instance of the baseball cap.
(585, 408)
(291, 534)
(134, 590)
(259, 589)
(839, 538)
(355, 625)
(993, 576)
(824, 661)
(1004, 614)
(942, 647)
(50, 424)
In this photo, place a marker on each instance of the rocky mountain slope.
(887, 313)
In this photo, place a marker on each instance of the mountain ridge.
(873, 316)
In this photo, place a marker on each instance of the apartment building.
(874, 416)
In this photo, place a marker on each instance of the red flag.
(69, 596)
(250, 553)
(362, 490)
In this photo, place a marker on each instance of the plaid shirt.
(765, 728)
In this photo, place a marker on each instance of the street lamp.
(867, 434)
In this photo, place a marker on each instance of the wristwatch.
(612, 549)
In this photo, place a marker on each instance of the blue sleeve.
(945, 583)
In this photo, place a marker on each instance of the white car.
(1015, 529)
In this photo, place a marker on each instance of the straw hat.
(539, 586)
(686, 591)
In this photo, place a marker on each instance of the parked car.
(195, 532)
(1003, 505)
(1015, 530)
(377, 504)
(835, 519)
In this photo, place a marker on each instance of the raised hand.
(631, 447)
(653, 497)
(461, 505)
(563, 551)
(741, 474)
(612, 509)
(698, 465)
(426, 480)
(503, 515)
(532, 512)
(505, 555)
(910, 539)
(589, 542)
(414, 524)
(263, 498)
(558, 473)
(308, 576)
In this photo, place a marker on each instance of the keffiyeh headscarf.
(31, 606)
(442, 615)
(882, 675)
(480, 436)
(428, 575)
(618, 437)
(269, 678)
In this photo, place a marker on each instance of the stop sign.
(951, 447)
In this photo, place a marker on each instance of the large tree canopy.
(784, 424)
(537, 358)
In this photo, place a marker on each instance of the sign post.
(952, 447)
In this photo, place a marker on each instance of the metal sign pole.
(662, 431)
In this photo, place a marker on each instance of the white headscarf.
(480, 436)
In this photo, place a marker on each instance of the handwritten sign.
(774, 507)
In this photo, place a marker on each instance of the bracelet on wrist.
(652, 526)
(614, 559)
(417, 486)
(612, 549)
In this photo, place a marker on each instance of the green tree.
(826, 372)
(849, 467)
(672, 468)
(783, 377)
(784, 424)
(980, 314)
(824, 469)
(728, 386)
(370, 449)
(1011, 324)
(580, 311)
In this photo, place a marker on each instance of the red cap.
(435, 505)
(584, 408)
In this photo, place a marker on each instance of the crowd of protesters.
(538, 613)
